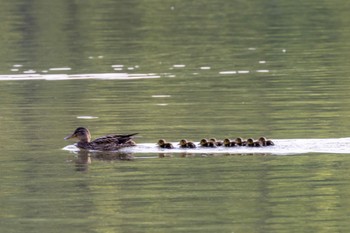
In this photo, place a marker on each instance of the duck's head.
(227, 141)
(262, 139)
(161, 142)
(239, 140)
(81, 133)
(183, 142)
(203, 141)
(213, 140)
(250, 141)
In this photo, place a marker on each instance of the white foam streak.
(281, 147)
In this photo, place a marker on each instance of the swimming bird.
(205, 143)
(164, 144)
(186, 144)
(240, 142)
(105, 143)
(228, 143)
(269, 143)
(266, 142)
(252, 143)
(216, 142)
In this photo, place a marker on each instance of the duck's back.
(110, 142)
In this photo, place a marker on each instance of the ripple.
(87, 117)
(179, 66)
(60, 69)
(161, 96)
(228, 72)
(117, 66)
(29, 72)
(262, 71)
(31, 75)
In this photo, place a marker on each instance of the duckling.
(163, 144)
(106, 143)
(250, 142)
(240, 142)
(186, 144)
(269, 143)
(216, 142)
(205, 143)
(191, 144)
(262, 140)
(183, 143)
(228, 143)
(265, 142)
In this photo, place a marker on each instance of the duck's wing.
(123, 138)
(114, 138)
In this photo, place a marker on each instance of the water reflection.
(84, 158)
(82, 161)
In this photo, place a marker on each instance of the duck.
(240, 142)
(228, 143)
(252, 143)
(266, 142)
(164, 144)
(186, 144)
(216, 142)
(269, 143)
(206, 143)
(110, 142)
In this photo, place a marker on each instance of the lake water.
(173, 70)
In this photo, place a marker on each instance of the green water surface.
(224, 68)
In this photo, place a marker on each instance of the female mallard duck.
(216, 142)
(164, 144)
(228, 143)
(105, 143)
(205, 143)
(186, 144)
(265, 142)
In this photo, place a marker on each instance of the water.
(174, 70)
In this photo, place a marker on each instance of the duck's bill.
(69, 137)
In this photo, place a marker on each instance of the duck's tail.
(126, 135)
